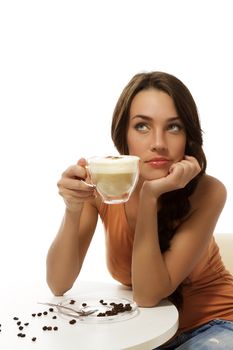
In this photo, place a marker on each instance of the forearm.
(63, 261)
(150, 278)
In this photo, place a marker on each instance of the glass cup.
(114, 177)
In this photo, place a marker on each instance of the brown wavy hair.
(175, 205)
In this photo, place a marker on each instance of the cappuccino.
(114, 177)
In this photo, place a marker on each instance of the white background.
(63, 65)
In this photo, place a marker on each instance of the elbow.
(57, 292)
(146, 301)
(56, 289)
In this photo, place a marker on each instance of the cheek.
(179, 149)
(136, 145)
(132, 143)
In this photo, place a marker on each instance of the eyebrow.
(145, 117)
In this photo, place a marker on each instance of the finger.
(187, 163)
(74, 184)
(71, 195)
(193, 162)
(191, 159)
(176, 167)
(75, 171)
(82, 162)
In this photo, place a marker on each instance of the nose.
(158, 142)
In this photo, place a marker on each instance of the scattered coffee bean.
(49, 328)
(73, 321)
(21, 335)
(112, 310)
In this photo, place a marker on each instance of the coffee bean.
(21, 335)
(73, 321)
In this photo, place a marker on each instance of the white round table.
(150, 328)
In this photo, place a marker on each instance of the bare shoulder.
(210, 191)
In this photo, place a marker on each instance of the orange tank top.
(208, 290)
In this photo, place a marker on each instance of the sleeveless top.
(207, 291)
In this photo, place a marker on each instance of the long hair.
(175, 205)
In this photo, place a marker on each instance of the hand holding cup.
(73, 187)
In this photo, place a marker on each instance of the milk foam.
(114, 165)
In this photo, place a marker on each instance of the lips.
(158, 162)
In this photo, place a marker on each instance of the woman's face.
(155, 133)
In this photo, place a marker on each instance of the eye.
(175, 127)
(141, 127)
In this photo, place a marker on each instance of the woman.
(161, 241)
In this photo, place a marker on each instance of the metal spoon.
(80, 313)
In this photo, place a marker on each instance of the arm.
(155, 275)
(68, 250)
